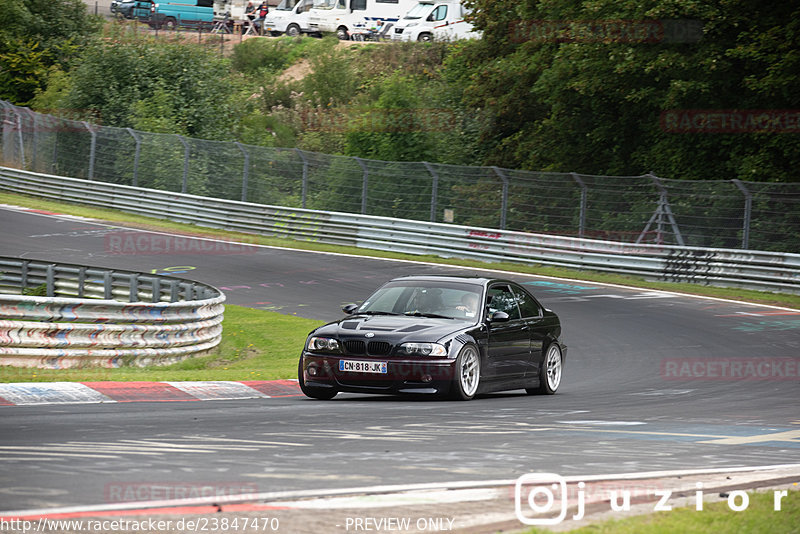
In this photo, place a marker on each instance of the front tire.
(550, 373)
(342, 33)
(293, 30)
(310, 391)
(425, 38)
(468, 373)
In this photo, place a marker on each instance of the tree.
(169, 86)
(564, 98)
(36, 35)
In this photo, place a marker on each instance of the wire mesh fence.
(642, 209)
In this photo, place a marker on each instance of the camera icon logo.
(535, 495)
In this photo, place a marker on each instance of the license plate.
(354, 366)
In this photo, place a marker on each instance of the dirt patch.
(296, 71)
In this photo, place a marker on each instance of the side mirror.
(350, 308)
(498, 317)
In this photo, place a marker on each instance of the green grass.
(716, 518)
(256, 345)
(113, 216)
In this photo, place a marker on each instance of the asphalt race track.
(638, 392)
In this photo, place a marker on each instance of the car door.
(204, 12)
(533, 316)
(141, 10)
(508, 351)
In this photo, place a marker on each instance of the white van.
(342, 16)
(290, 17)
(430, 20)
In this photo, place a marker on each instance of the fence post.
(748, 212)
(304, 194)
(582, 215)
(21, 140)
(108, 286)
(136, 154)
(504, 201)
(246, 171)
(81, 282)
(434, 189)
(184, 182)
(363, 186)
(8, 134)
(54, 166)
(133, 293)
(92, 148)
(33, 115)
(50, 280)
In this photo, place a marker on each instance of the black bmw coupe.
(448, 336)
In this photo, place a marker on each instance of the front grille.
(378, 348)
(355, 347)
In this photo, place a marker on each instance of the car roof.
(476, 280)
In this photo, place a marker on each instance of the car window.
(501, 298)
(446, 299)
(527, 304)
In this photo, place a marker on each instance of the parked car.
(453, 336)
(132, 9)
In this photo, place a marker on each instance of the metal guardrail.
(714, 213)
(769, 271)
(55, 315)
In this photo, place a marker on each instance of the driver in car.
(469, 304)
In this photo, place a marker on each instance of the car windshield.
(418, 11)
(286, 5)
(449, 300)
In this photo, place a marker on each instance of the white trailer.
(342, 16)
(234, 9)
(431, 20)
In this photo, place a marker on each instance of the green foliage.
(157, 113)
(36, 35)
(332, 80)
(593, 105)
(23, 69)
(395, 128)
(274, 55)
(38, 291)
(172, 86)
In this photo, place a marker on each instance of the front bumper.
(415, 376)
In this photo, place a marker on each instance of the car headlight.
(323, 344)
(422, 349)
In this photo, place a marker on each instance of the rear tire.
(550, 373)
(468, 374)
(170, 24)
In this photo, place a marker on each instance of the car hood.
(395, 329)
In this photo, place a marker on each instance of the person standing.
(261, 13)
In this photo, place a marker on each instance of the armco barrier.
(769, 271)
(59, 316)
